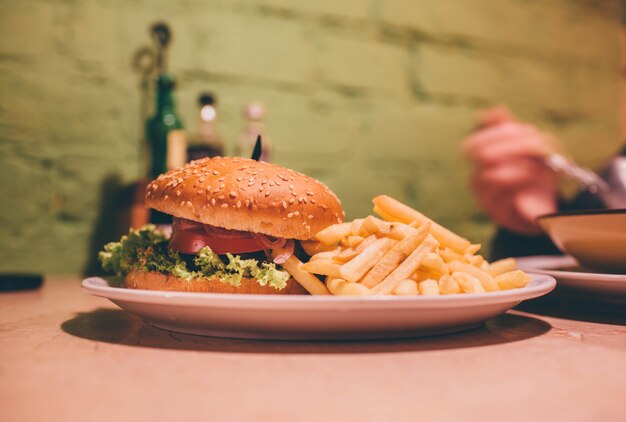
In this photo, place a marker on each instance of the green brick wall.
(370, 96)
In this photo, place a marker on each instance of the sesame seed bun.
(247, 195)
(156, 281)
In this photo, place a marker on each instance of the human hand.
(511, 182)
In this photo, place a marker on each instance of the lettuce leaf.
(146, 249)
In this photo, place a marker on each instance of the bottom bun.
(156, 281)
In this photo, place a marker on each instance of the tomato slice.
(189, 237)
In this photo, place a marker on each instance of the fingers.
(504, 141)
(512, 174)
(494, 116)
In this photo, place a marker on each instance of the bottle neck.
(164, 101)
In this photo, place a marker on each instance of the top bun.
(247, 195)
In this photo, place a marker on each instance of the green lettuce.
(146, 249)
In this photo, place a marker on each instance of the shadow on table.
(575, 306)
(119, 327)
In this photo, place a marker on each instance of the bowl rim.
(582, 212)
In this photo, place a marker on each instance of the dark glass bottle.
(166, 137)
(206, 142)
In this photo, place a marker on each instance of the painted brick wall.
(370, 96)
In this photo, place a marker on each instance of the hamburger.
(235, 221)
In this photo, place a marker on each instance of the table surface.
(66, 355)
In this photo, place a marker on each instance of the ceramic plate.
(595, 286)
(317, 317)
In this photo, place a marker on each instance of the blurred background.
(369, 96)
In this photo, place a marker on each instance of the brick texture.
(370, 96)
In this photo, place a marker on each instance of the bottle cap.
(206, 98)
(254, 110)
(166, 80)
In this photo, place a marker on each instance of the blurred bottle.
(254, 113)
(167, 140)
(206, 141)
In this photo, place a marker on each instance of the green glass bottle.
(166, 138)
(165, 130)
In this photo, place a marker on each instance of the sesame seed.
(238, 204)
(300, 200)
(224, 205)
(254, 207)
(247, 202)
(309, 192)
(201, 179)
(312, 201)
(251, 179)
(261, 189)
(233, 194)
(221, 197)
(208, 188)
(294, 194)
(296, 213)
(221, 186)
(311, 217)
(189, 204)
(283, 177)
(308, 228)
(243, 188)
(291, 187)
(182, 203)
(239, 178)
(272, 183)
(292, 200)
(277, 183)
(166, 196)
(215, 172)
(221, 179)
(284, 204)
(250, 183)
(195, 171)
(290, 215)
(267, 193)
(178, 193)
(264, 181)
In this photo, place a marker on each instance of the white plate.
(315, 317)
(610, 288)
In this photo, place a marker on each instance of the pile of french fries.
(401, 253)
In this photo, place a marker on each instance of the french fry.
(428, 287)
(340, 287)
(475, 260)
(407, 267)
(468, 283)
(485, 278)
(355, 226)
(435, 265)
(322, 266)
(472, 249)
(448, 285)
(397, 254)
(373, 225)
(448, 255)
(351, 241)
(353, 289)
(312, 247)
(356, 268)
(307, 280)
(406, 288)
(326, 254)
(334, 284)
(502, 266)
(333, 234)
(405, 214)
(399, 231)
(512, 280)
(347, 254)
